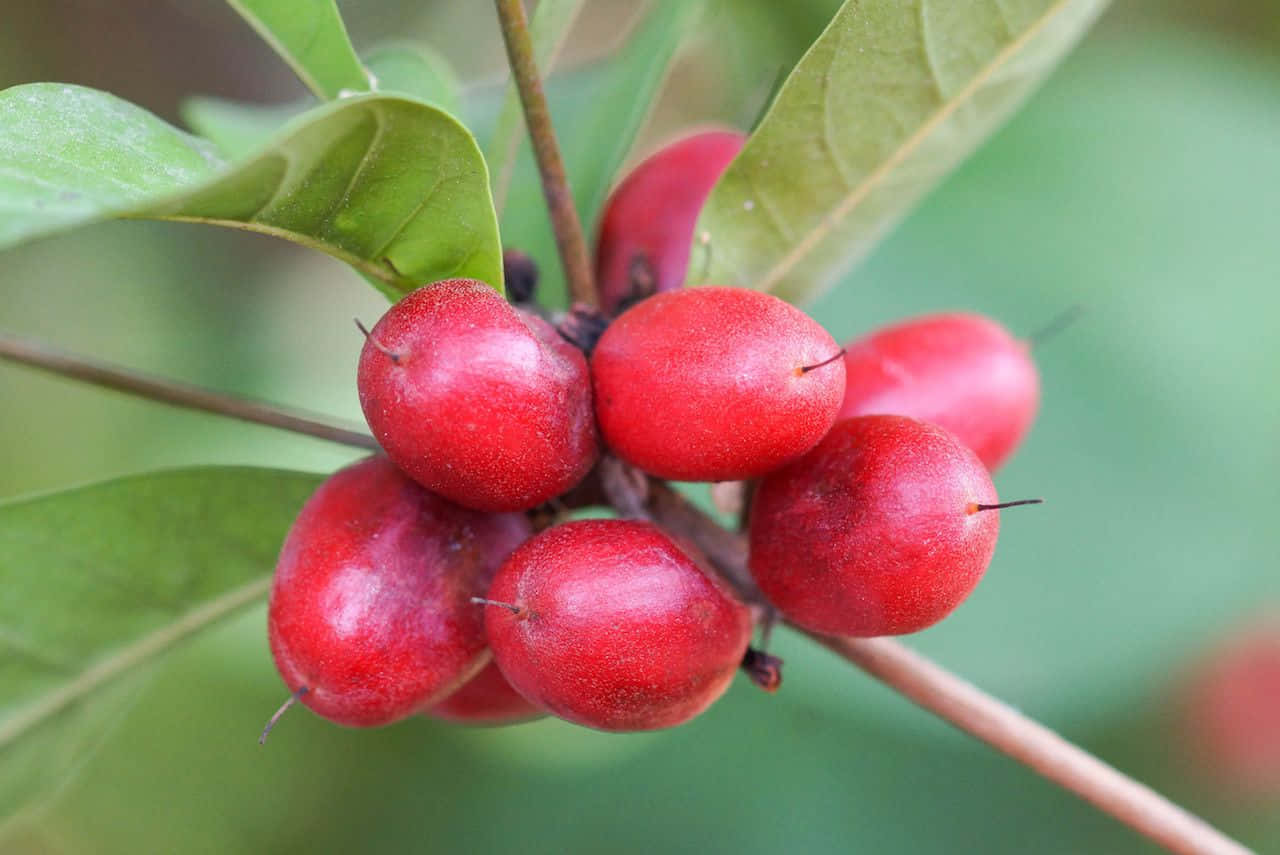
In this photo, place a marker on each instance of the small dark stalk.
(39, 355)
(284, 708)
(555, 184)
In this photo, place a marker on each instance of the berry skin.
(1231, 720)
(715, 384)
(647, 229)
(877, 531)
(371, 604)
(487, 698)
(482, 404)
(963, 372)
(616, 629)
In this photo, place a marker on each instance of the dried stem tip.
(284, 707)
(763, 669)
(974, 507)
(805, 369)
(511, 607)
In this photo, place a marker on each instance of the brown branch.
(923, 682)
(555, 185)
(1037, 747)
(965, 706)
(39, 355)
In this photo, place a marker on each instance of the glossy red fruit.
(963, 372)
(648, 222)
(371, 604)
(487, 406)
(715, 384)
(877, 531)
(1231, 724)
(487, 698)
(616, 629)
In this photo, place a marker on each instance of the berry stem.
(805, 369)
(1055, 326)
(1032, 744)
(555, 185)
(911, 675)
(40, 355)
(284, 708)
(379, 346)
(965, 706)
(511, 607)
(975, 507)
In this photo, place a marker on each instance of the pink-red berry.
(370, 617)
(478, 402)
(486, 699)
(715, 384)
(609, 625)
(882, 529)
(646, 232)
(963, 372)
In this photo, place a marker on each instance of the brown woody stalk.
(555, 185)
(920, 680)
(40, 355)
(923, 682)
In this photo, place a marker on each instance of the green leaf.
(548, 30)
(415, 70)
(392, 186)
(888, 100)
(238, 127)
(597, 115)
(311, 37)
(101, 581)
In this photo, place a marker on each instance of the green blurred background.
(1140, 182)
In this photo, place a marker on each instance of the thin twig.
(965, 706)
(555, 185)
(1032, 744)
(39, 355)
(954, 700)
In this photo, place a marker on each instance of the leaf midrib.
(123, 660)
(857, 194)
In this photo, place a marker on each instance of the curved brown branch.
(40, 355)
(963, 705)
(555, 184)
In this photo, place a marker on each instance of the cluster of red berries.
(414, 583)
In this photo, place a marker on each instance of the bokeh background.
(1140, 182)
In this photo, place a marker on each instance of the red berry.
(1232, 721)
(487, 698)
(614, 627)
(482, 404)
(963, 372)
(880, 530)
(371, 604)
(647, 229)
(715, 384)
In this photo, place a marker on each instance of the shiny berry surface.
(371, 602)
(616, 628)
(715, 384)
(649, 218)
(485, 405)
(486, 699)
(876, 531)
(963, 372)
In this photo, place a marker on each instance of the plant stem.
(555, 185)
(1032, 744)
(39, 355)
(933, 688)
(963, 705)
